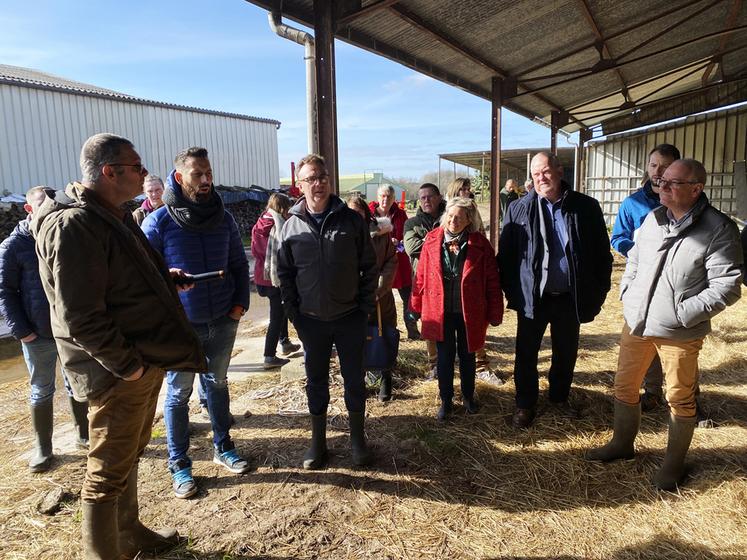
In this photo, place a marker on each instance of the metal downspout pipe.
(305, 39)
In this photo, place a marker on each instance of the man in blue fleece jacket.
(195, 234)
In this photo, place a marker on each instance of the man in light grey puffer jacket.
(685, 267)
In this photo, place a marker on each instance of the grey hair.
(696, 169)
(97, 151)
(552, 159)
(33, 193)
(151, 178)
(386, 187)
(469, 206)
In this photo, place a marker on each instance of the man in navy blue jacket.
(24, 305)
(555, 263)
(195, 234)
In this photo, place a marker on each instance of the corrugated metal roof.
(15, 75)
(597, 60)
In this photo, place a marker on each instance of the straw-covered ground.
(471, 488)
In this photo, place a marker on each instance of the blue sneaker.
(183, 483)
(231, 461)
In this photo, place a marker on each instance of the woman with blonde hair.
(457, 293)
(265, 246)
(461, 186)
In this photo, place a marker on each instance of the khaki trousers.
(679, 362)
(430, 345)
(120, 422)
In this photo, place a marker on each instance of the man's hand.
(178, 273)
(136, 375)
(30, 337)
(236, 313)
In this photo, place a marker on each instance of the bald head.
(681, 186)
(547, 174)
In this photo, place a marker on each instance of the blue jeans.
(217, 338)
(41, 358)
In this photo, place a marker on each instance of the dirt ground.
(473, 488)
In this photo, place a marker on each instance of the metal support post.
(495, 160)
(326, 99)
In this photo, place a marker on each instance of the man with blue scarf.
(195, 234)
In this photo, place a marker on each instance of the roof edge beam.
(604, 51)
(371, 8)
(634, 27)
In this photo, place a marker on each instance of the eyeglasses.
(136, 167)
(321, 179)
(676, 184)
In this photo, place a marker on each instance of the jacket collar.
(300, 209)
(700, 206)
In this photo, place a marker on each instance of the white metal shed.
(45, 119)
(615, 166)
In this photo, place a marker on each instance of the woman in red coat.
(457, 293)
(386, 207)
(265, 245)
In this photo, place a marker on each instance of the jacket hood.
(22, 228)
(381, 226)
(299, 208)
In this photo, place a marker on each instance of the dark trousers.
(455, 342)
(278, 328)
(404, 294)
(559, 312)
(348, 334)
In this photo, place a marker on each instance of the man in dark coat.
(555, 265)
(328, 278)
(24, 305)
(118, 324)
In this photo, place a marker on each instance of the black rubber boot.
(80, 418)
(316, 456)
(41, 421)
(412, 330)
(385, 390)
(672, 471)
(361, 454)
(100, 531)
(134, 537)
(625, 428)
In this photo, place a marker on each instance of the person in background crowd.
(633, 210)
(153, 190)
(328, 278)
(462, 186)
(556, 268)
(386, 206)
(457, 293)
(24, 305)
(528, 186)
(415, 230)
(509, 194)
(386, 263)
(118, 323)
(685, 268)
(195, 233)
(265, 246)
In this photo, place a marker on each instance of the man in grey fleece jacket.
(685, 268)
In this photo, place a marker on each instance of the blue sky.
(223, 56)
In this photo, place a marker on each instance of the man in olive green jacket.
(118, 324)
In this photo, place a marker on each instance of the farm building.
(45, 119)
